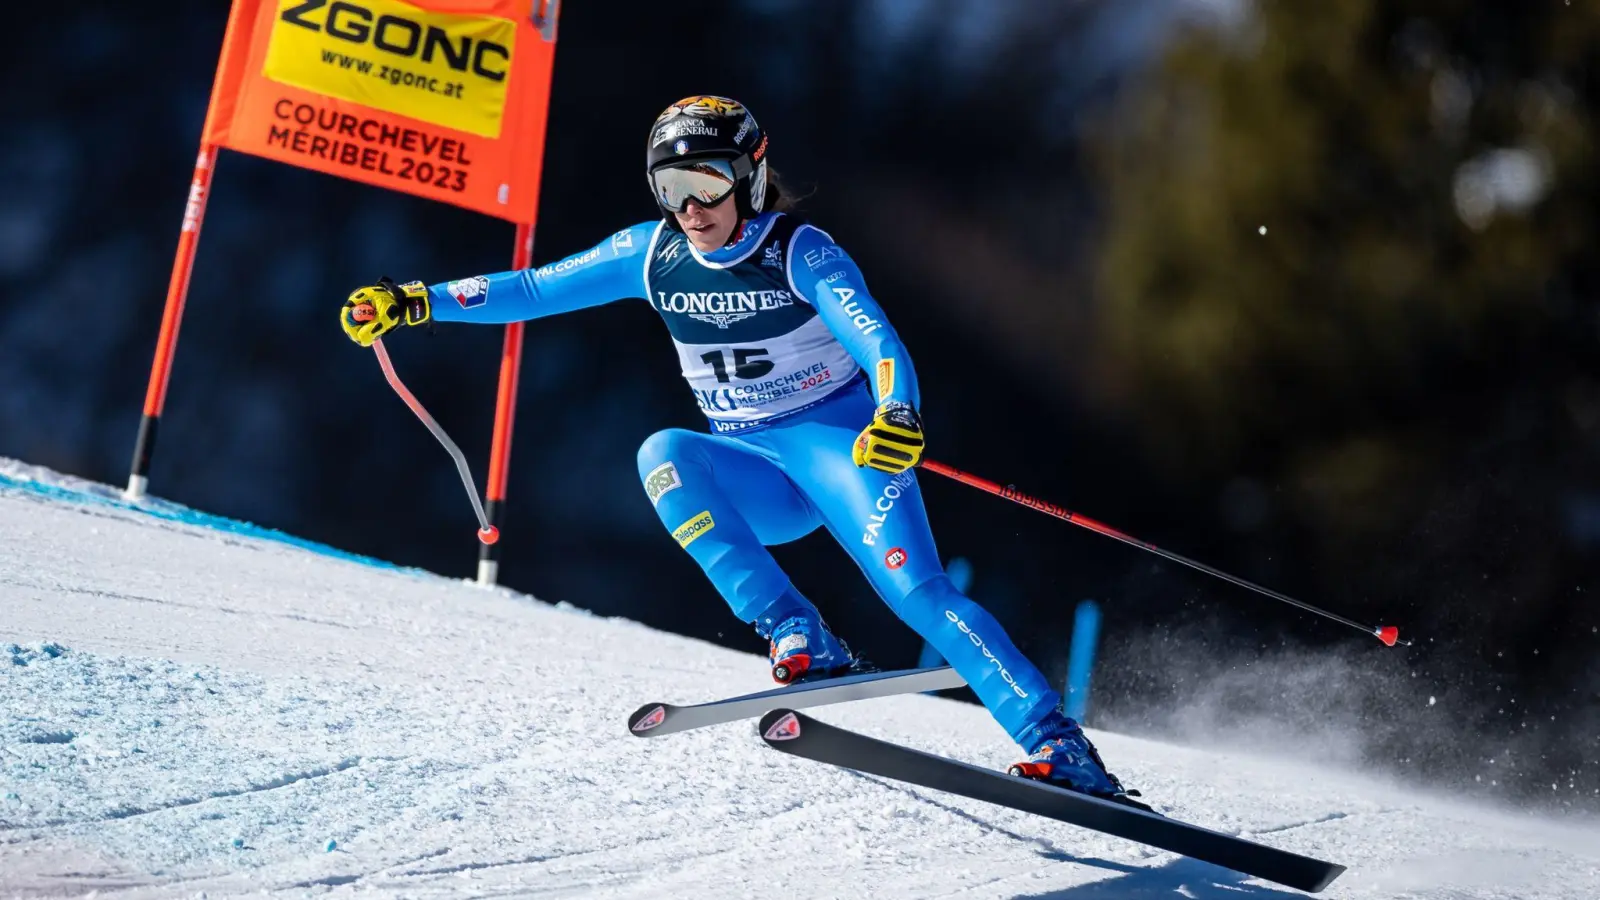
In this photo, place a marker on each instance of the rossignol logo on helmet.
(978, 642)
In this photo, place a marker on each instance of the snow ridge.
(187, 709)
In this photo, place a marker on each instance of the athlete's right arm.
(611, 270)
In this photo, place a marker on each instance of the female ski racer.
(812, 401)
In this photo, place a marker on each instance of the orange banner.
(446, 99)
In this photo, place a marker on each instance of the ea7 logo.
(815, 259)
(400, 36)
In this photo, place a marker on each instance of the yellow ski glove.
(375, 310)
(893, 442)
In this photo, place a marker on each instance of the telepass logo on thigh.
(691, 530)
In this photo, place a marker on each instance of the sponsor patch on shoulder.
(469, 292)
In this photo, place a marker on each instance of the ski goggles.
(707, 182)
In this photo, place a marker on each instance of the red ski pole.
(486, 532)
(1389, 634)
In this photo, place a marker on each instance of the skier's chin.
(706, 236)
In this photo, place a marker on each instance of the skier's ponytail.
(779, 198)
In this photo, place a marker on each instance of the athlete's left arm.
(827, 278)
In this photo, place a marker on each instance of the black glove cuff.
(416, 307)
(902, 415)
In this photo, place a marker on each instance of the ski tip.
(646, 718)
(779, 725)
(1334, 871)
(1389, 635)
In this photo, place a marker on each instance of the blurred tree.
(1349, 253)
(1320, 217)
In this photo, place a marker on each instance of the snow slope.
(187, 709)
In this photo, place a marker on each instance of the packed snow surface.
(191, 711)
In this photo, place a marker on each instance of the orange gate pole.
(505, 412)
(194, 213)
(155, 398)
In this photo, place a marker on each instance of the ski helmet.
(703, 129)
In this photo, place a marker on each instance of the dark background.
(1388, 403)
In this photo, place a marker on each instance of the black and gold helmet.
(706, 149)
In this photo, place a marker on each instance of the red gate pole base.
(171, 317)
(505, 413)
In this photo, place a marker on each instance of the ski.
(798, 735)
(656, 719)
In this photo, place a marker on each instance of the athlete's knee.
(671, 445)
(929, 602)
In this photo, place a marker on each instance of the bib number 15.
(745, 364)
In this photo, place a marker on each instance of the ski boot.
(1064, 758)
(801, 648)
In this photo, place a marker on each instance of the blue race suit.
(776, 335)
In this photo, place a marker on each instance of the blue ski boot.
(1063, 757)
(802, 648)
